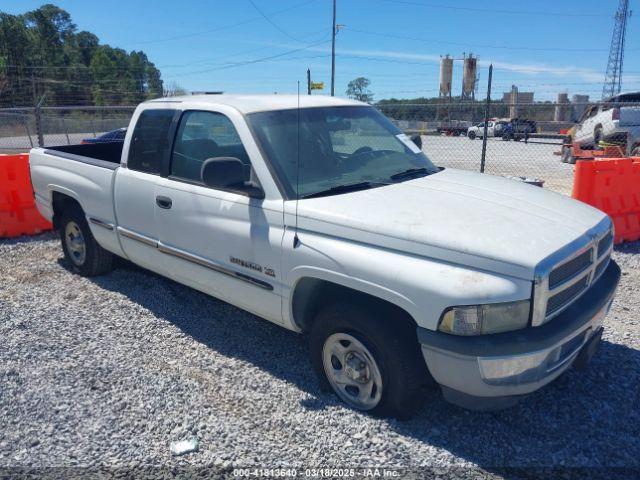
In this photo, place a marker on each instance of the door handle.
(164, 202)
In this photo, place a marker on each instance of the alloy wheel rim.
(352, 371)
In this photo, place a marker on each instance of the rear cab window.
(150, 141)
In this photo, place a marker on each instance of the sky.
(265, 46)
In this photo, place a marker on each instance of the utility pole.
(308, 81)
(333, 51)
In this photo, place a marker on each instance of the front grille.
(604, 243)
(570, 278)
(570, 269)
(561, 299)
(601, 266)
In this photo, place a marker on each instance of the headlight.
(483, 319)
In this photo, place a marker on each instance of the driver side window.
(200, 136)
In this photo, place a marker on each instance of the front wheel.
(82, 252)
(371, 360)
(471, 135)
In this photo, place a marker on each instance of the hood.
(461, 217)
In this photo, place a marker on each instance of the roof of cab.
(261, 103)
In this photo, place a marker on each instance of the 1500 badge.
(253, 266)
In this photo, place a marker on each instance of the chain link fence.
(522, 140)
(24, 128)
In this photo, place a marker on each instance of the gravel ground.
(106, 372)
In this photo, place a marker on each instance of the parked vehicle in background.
(524, 126)
(116, 135)
(477, 131)
(499, 126)
(616, 120)
(494, 129)
(320, 215)
(454, 127)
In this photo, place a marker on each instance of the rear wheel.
(597, 137)
(635, 151)
(567, 154)
(82, 252)
(371, 361)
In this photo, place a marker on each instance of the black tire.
(471, 135)
(393, 344)
(635, 151)
(597, 137)
(567, 155)
(96, 260)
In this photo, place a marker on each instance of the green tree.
(358, 89)
(43, 55)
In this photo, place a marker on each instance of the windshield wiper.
(412, 172)
(348, 187)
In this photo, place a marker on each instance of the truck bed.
(105, 155)
(72, 172)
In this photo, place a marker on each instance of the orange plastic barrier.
(18, 213)
(613, 186)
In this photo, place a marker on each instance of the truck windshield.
(336, 147)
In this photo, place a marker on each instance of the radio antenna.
(296, 240)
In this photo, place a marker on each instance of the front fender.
(423, 287)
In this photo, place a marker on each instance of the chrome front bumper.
(491, 370)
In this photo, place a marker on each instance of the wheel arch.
(61, 201)
(310, 294)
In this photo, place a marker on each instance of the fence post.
(38, 114)
(26, 127)
(66, 130)
(36, 111)
(486, 121)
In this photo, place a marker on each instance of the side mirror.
(417, 139)
(228, 173)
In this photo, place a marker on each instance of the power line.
(274, 24)
(389, 60)
(250, 62)
(501, 11)
(475, 45)
(224, 27)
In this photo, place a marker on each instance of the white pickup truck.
(318, 214)
(615, 120)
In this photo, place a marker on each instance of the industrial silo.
(579, 104)
(446, 75)
(562, 108)
(470, 67)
